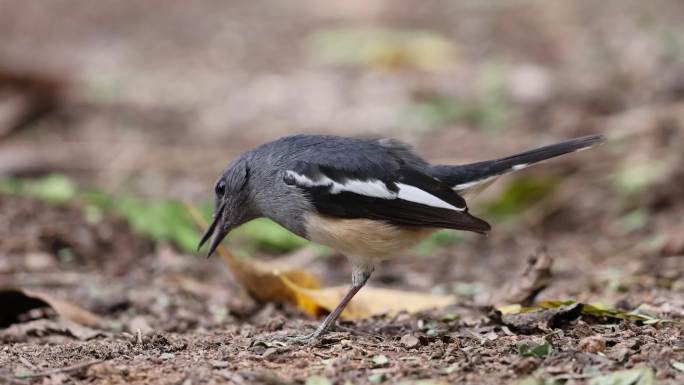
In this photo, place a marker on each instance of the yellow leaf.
(510, 309)
(369, 301)
(269, 281)
(262, 280)
(384, 49)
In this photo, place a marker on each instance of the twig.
(65, 369)
(28, 363)
(535, 278)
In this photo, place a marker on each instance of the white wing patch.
(375, 188)
(371, 188)
(414, 194)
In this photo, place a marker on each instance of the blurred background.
(112, 113)
(115, 113)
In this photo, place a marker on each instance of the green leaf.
(638, 376)
(539, 351)
(376, 378)
(163, 220)
(438, 241)
(52, 188)
(268, 235)
(595, 309)
(520, 194)
(318, 380)
(542, 350)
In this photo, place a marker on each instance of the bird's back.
(366, 154)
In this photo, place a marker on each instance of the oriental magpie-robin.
(367, 198)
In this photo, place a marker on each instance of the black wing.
(402, 196)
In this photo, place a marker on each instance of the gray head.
(232, 203)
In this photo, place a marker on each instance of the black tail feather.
(463, 176)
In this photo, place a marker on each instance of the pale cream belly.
(363, 238)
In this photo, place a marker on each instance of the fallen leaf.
(27, 96)
(531, 320)
(369, 301)
(43, 327)
(679, 366)
(637, 376)
(598, 310)
(275, 282)
(263, 281)
(16, 302)
(547, 314)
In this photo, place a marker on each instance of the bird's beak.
(218, 229)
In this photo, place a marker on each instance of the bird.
(368, 198)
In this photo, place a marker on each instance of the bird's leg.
(360, 275)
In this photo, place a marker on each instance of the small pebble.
(218, 364)
(593, 344)
(525, 365)
(410, 341)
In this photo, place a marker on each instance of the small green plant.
(519, 194)
(163, 220)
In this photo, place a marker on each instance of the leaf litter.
(454, 340)
(593, 216)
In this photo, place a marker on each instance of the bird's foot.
(308, 339)
(311, 338)
(317, 336)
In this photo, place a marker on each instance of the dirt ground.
(156, 104)
(178, 319)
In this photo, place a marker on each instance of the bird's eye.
(220, 188)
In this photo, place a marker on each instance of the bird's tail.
(472, 178)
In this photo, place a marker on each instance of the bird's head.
(232, 204)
